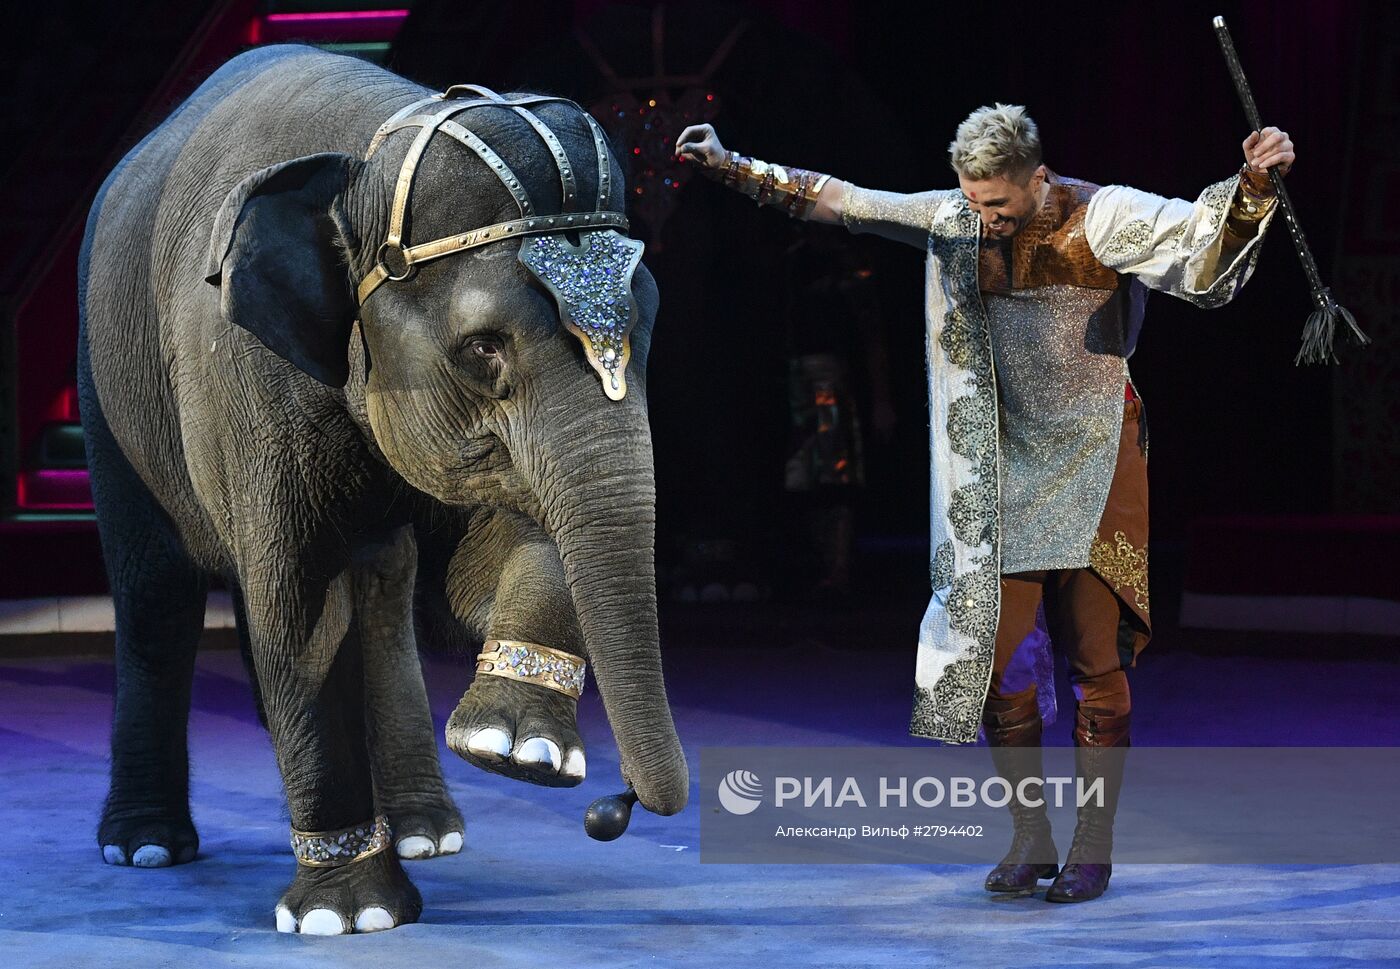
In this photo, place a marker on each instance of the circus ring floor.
(530, 890)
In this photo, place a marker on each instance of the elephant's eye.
(486, 347)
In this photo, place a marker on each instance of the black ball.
(607, 818)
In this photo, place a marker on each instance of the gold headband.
(590, 281)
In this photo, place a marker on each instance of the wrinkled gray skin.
(479, 429)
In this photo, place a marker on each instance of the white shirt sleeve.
(1172, 245)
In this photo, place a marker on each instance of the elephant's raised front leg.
(506, 581)
(312, 678)
(408, 782)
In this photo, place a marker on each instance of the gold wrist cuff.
(795, 190)
(1258, 184)
(533, 663)
(332, 849)
(1253, 200)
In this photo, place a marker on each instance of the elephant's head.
(477, 393)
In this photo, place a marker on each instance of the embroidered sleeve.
(893, 215)
(1172, 245)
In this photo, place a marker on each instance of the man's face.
(1004, 203)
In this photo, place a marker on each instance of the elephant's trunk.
(599, 502)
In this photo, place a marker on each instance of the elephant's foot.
(363, 896)
(520, 730)
(424, 827)
(147, 839)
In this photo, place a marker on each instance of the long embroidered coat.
(1027, 361)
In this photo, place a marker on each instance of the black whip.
(1320, 330)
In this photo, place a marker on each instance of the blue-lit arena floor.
(531, 890)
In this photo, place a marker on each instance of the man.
(1036, 286)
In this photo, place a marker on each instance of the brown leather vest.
(1051, 250)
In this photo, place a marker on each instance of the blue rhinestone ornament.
(529, 662)
(592, 283)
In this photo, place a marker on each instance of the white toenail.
(489, 740)
(575, 765)
(286, 922)
(113, 855)
(151, 856)
(539, 750)
(414, 846)
(322, 921)
(451, 843)
(373, 919)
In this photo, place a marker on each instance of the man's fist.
(699, 143)
(1267, 148)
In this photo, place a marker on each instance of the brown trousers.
(1096, 616)
(1082, 615)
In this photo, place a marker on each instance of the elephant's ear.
(275, 256)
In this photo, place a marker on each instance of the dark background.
(871, 92)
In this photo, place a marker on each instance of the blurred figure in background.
(837, 362)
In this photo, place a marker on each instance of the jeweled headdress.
(591, 280)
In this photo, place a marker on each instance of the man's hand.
(1267, 148)
(700, 144)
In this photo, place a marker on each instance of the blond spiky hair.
(1002, 140)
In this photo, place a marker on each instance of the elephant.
(251, 415)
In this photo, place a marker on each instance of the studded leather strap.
(403, 257)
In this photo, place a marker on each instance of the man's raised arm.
(1202, 251)
(810, 195)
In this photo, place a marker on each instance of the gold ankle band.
(533, 663)
(332, 849)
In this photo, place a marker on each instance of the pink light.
(55, 490)
(328, 26)
(65, 406)
(287, 18)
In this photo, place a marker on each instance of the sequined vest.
(1058, 320)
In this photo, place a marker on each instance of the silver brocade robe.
(1026, 404)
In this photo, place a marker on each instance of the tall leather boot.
(1100, 740)
(1013, 731)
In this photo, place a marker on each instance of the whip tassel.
(1320, 330)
